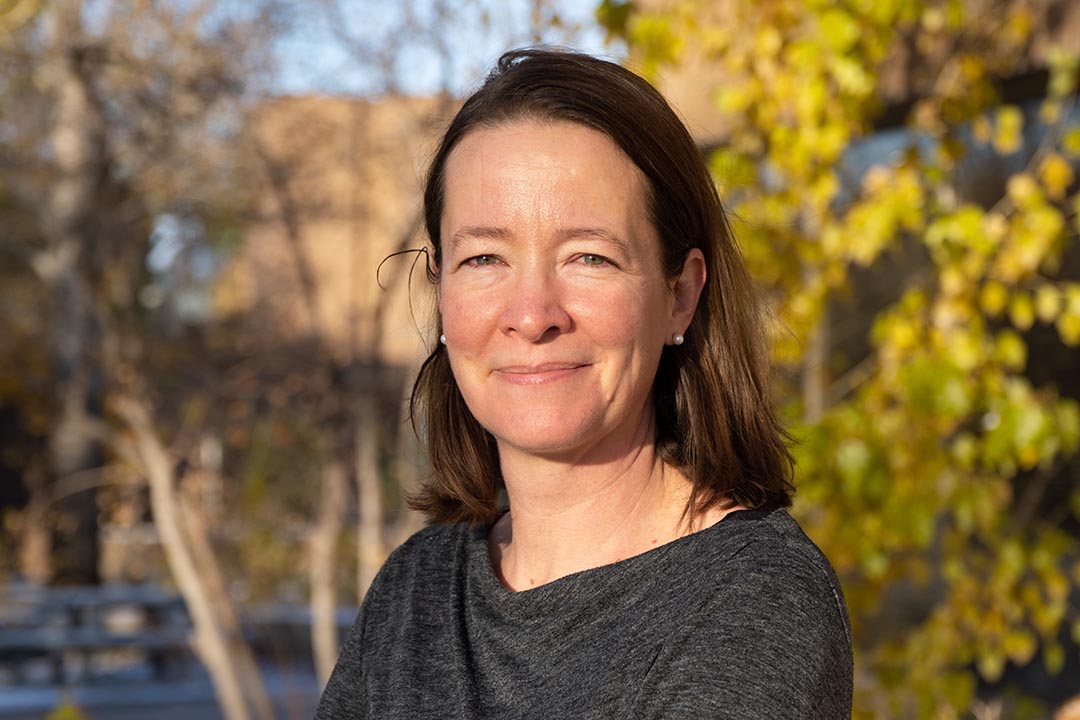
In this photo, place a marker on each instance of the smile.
(538, 374)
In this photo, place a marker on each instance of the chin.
(545, 435)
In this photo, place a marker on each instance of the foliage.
(926, 474)
(163, 191)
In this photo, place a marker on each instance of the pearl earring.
(442, 339)
(677, 339)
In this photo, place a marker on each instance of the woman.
(602, 367)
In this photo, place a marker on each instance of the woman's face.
(554, 304)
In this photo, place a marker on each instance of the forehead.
(555, 168)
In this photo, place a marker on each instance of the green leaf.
(1053, 657)
(614, 16)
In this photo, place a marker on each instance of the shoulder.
(427, 555)
(776, 573)
(420, 568)
(768, 633)
(430, 543)
(774, 555)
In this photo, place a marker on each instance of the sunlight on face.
(554, 304)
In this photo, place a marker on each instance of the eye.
(595, 260)
(481, 260)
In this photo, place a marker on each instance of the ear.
(686, 291)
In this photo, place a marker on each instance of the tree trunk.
(243, 659)
(76, 140)
(210, 641)
(369, 531)
(324, 540)
(815, 377)
(72, 449)
(34, 538)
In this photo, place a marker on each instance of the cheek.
(623, 315)
(465, 320)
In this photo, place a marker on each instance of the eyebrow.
(591, 233)
(486, 232)
(479, 231)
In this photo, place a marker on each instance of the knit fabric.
(744, 619)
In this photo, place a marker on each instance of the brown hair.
(714, 418)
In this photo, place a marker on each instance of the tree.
(112, 120)
(920, 156)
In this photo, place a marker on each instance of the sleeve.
(345, 694)
(773, 642)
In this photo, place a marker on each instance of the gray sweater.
(744, 619)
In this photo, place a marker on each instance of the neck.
(571, 516)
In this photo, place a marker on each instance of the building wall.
(338, 185)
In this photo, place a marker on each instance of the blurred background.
(203, 368)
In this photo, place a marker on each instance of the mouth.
(539, 374)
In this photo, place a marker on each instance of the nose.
(535, 311)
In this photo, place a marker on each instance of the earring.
(442, 339)
(677, 339)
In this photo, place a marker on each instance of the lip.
(539, 374)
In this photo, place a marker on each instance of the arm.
(345, 694)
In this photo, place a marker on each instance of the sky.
(314, 58)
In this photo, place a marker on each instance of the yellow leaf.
(993, 298)
(964, 450)
(1010, 350)
(768, 41)
(1021, 310)
(995, 226)
(839, 29)
(963, 350)
(1018, 26)
(851, 76)
(1072, 298)
(1023, 190)
(824, 188)
(1070, 142)
(1028, 455)
(1050, 112)
(982, 130)
(1057, 175)
(952, 281)
(1063, 72)
(1068, 327)
(991, 665)
(1019, 645)
(1008, 133)
(736, 98)
(933, 19)
(1047, 302)
(876, 179)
